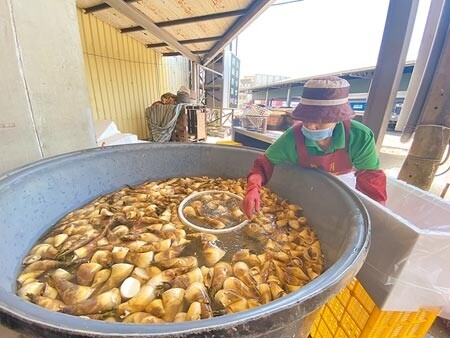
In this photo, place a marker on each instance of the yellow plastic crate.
(229, 143)
(352, 313)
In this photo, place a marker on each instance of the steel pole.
(390, 64)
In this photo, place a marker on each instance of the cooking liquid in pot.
(127, 257)
(214, 210)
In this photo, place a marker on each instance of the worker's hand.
(252, 202)
(252, 199)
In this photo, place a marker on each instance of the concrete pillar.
(288, 97)
(423, 59)
(44, 100)
(432, 135)
(391, 60)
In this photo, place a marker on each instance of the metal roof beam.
(102, 7)
(142, 20)
(189, 20)
(186, 42)
(252, 12)
(131, 29)
(194, 52)
(207, 17)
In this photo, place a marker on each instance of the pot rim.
(347, 265)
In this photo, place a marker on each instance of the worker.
(167, 99)
(326, 138)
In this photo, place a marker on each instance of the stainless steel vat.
(34, 197)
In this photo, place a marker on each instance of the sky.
(313, 37)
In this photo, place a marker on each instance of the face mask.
(317, 135)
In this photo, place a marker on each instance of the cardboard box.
(119, 138)
(105, 129)
(108, 134)
(408, 265)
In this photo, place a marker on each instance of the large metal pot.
(34, 197)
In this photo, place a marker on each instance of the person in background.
(167, 98)
(326, 138)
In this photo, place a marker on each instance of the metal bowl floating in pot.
(34, 197)
(195, 223)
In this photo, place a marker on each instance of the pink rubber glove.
(252, 199)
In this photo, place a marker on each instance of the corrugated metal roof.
(199, 30)
(366, 72)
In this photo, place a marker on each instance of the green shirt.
(361, 149)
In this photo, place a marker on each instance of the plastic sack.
(407, 267)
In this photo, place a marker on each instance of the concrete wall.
(44, 102)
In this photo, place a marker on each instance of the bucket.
(34, 197)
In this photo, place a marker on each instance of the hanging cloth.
(161, 121)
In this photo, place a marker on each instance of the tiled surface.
(393, 153)
(7, 333)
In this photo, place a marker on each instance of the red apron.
(337, 163)
(370, 182)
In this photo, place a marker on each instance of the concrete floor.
(438, 330)
(393, 154)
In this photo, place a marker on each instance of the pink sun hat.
(324, 100)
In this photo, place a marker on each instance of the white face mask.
(317, 135)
